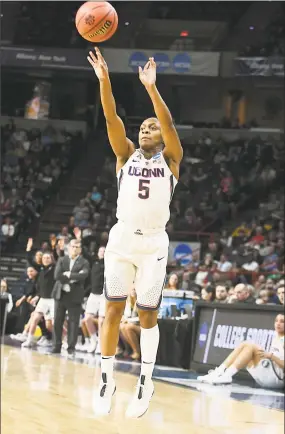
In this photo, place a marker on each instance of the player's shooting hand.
(98, 63)
(147, 75)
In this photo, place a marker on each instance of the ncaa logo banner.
(181, 252)
(168, 62)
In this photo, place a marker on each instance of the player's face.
(279, 324)
(150, 135)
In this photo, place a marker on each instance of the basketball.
(96, 21)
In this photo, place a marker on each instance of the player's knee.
(148, 318)
(114, 311)
(87, 319)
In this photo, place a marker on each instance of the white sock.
(221, 369)
(231, 371)
(94, 338)
(149, 345)
(30, 337)
(107, 366)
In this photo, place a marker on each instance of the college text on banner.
(219, 329)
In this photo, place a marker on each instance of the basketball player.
(267, 369)
(137, 250)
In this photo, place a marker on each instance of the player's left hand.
(263, 354)
(147, 75)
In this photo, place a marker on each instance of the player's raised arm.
(173, 149)
(121, 145)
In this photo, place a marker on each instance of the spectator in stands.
(221, 294)
(7, 234)
(280, 293)
(81, 214)
(208, 293)
(172, 282)
(6, 294)
(270, 262)
(34, 260)
(224, 265)
(45, 306)
(242, 294)
(28, 291)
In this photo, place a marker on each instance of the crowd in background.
(33, 163)
(242, 262)
(274, 45)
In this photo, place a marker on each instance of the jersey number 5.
(143, 188)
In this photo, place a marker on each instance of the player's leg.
(119, 278)
(149, 284)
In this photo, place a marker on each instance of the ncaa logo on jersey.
(156, 156)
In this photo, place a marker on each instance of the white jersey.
(145, 189)
(267, 373)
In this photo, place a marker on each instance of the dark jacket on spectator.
(97, 277)
(29, 287)
(79, 273)
(46, 281)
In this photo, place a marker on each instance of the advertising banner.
(220, 330)
(118, 60)
(182, 251)
(168, 62)
(262, 66)
(46, 58)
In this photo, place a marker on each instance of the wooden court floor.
(44, 394)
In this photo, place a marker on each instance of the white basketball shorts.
(96, 305)
(46, 307)
(135, 258)
(266, 376)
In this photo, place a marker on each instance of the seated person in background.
(5, 294)
(172, 282)
(208, 294)
(267, 369)
(7, 233)
(221, 294)
(280, 293)
(242, 294)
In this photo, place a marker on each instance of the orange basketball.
(96, 21)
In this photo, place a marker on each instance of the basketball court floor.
(48, 394)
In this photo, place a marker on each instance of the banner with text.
(168, 62)
(219, 331)
(262, 66)
(118, 60)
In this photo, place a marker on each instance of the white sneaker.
(44, 342)
(140, 402)
(21, 337)
(104, 398)
(28, 344)
(222, 379)
(208, 377)
(92, 346)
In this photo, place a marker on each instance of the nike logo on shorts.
(159, 259)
